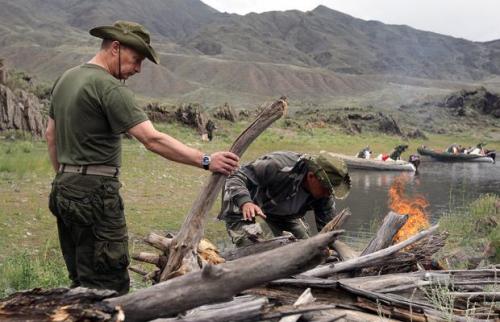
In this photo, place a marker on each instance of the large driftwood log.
(385, 234)
(241, 308)
(365, 261)
(59, 304)
(221, 282)
(191, 232)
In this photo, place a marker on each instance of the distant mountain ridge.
(213, 56)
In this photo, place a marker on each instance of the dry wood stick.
(364, 261)
(477, 296)
(286, 310)
(157, 241)
(191, 232)
(337, 221)
(389, 228)
(137, 270)
(345, 252)
(305, 298)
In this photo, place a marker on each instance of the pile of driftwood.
(318, 279)
(280, 280)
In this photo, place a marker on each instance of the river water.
(448, 187)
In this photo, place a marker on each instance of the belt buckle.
(82, 169)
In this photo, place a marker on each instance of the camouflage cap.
(332, 173)
(130, 34)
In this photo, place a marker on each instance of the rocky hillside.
(213, 57)
(20, 110)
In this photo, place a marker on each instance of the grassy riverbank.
(474, 234)
(157, 193)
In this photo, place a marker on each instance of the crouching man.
(281, 187)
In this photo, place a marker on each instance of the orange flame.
(413, 207)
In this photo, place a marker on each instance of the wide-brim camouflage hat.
(130, 34)
(332, 172)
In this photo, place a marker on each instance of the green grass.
(472, 231)
(157, 193)
(26, 270)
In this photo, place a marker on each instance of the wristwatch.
(205, 162)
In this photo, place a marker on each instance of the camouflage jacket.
(274, 183)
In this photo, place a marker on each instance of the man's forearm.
(223, 162)
(50, 136)
(174, 150)
(237, 185)
(53, 156)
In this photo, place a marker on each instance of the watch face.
(205, 160)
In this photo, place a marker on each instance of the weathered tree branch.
(344, 251)
(337, 221)
(364, 261)
(191, 232)
(385, 234)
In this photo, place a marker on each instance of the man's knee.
(106, 267)
(244, 233)
(299, 229)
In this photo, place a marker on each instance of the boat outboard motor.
(492, 154)
(415, 160)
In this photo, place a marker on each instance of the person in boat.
(365, 153)
(280, 187)
(479, 149)
(397, 151)
(454, 148)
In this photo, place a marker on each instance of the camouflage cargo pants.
(92, 230)
(242, 236)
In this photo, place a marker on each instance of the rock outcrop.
(480, 100)
(3, 73)
(193, 116)
(20, 110)
(225, 112)
(388, 125)
(160, 113)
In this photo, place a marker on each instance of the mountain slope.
(206, 55)
(330, 39)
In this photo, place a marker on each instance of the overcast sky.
(477, 20)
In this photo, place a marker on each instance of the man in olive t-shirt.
(90, 109)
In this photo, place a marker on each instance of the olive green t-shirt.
(91, 109)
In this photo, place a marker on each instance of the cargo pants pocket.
(73, 206)
(111, 256)
(111, 246)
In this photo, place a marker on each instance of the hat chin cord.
(120, 64)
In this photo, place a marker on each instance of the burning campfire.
(413, 207)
